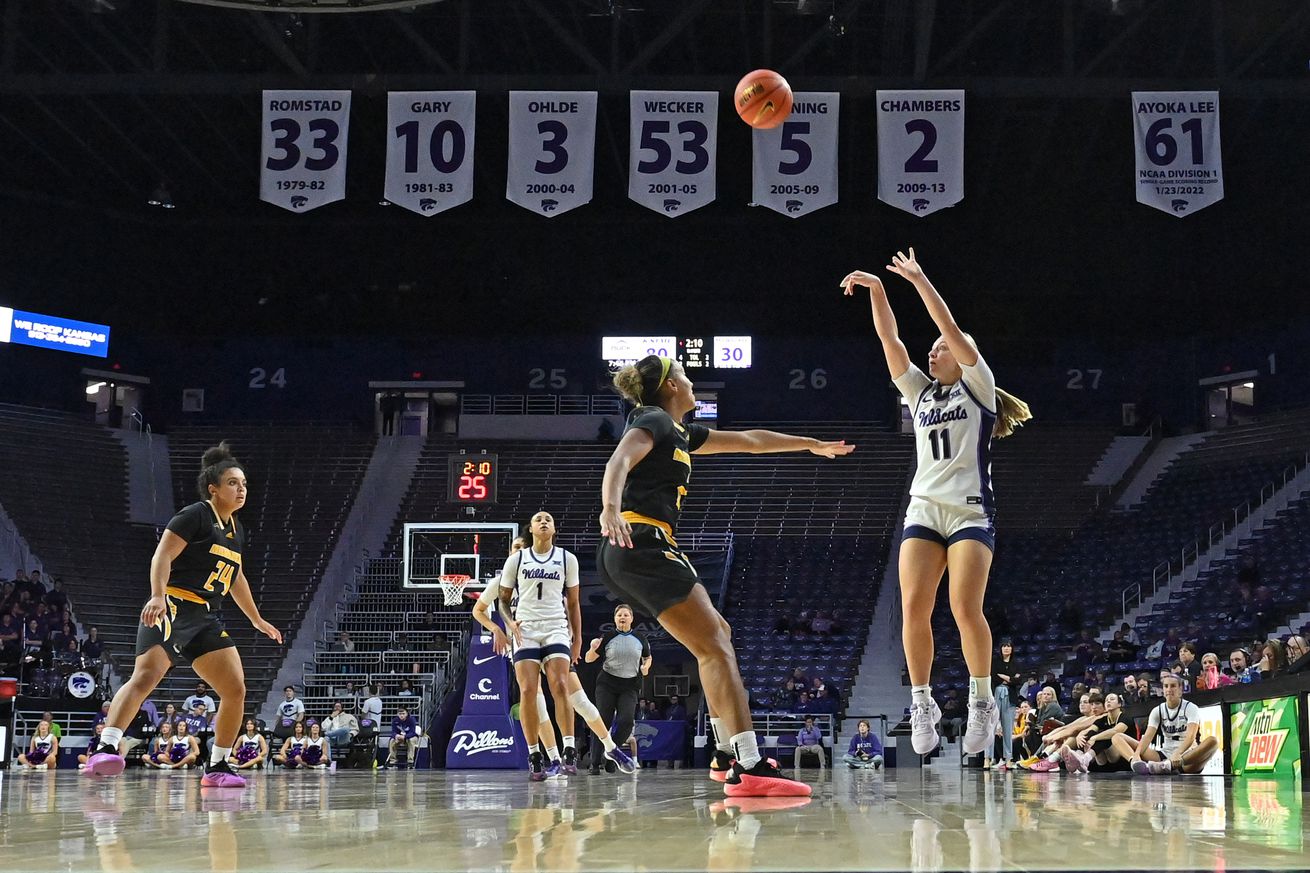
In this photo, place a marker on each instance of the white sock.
(568, 743)
(921, 694)
(552, 752)
(980, 688)
(608, 742)
(721, 741)
(219, 754)
(111, 736)
(745, 750)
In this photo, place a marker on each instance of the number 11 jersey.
(953, 436)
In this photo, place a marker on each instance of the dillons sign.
(470, 743)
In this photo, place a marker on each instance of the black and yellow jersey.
(211, 560)
(657, 485)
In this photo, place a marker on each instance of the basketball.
(763, 99)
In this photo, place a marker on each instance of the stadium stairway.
(1120, 457)
(1164, 455)
(364, 534)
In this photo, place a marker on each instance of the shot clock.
(472, 478)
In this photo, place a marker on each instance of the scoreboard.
(693, 352)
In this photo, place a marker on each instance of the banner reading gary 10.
(1266, 737)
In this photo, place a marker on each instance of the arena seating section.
(65, 487)
(303, 481)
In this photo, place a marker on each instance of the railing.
(772, 725)
(540, 404)
(1165, 572)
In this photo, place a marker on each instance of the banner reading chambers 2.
(921, 150)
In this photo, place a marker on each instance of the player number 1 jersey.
(539, 582)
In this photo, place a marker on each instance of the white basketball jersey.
(538, 582)
(45, 743)
(953, 435)
(249, 742)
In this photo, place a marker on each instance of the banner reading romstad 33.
(303, 148)
(1176, 140)
(552, 149)
(672, 144)
(795, 164)
(921, 149)
(430, 149)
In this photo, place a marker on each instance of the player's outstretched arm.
(767, 442)
(884, 320)
(961, 346)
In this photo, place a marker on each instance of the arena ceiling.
(101, 101)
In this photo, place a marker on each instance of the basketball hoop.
(452, 588)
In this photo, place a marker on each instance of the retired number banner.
(921, 149)
(794, 168)
(552, 149)
(430, 149)
(303, 151)
(672, 148)
(1176, 140)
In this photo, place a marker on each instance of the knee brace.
(543, 715)
(583, 706)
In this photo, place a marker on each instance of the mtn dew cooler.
(1266, 739)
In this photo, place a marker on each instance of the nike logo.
(477, 661)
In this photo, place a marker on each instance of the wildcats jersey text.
(953, 436)
(538, 583)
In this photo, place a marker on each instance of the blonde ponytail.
(1011, 413)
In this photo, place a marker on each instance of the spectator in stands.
(953, 714)
(201, 696)
(1298, 654)
(9, 639)
(1130, 695)
(1047, 716)
(823, 702)
(167, 717)
(35, 586)
(92, 647)
(865, 750)
(1239, 667)
(1273, 660)
(60, 635)
(786, 698)
(1210, 677)
(1248, 573)
(1087, 650)
(405, 732)
(36, 648)
(371, 708)
(1190, 666)
(56, 599)
(1121, 649)
(1144, 689)
(809, 741)
(54, 726)
(1131, 635)
(1264, 608)
(344, 644)
(199, 724)
(43, 749)
(251, 749)
(428, 622)
(1023, 716)
(822, 623)
(406, 689)
(1028, 690)
(96, 730)
(802, 681)
(675, 711)
(291, 706)
(643, 714)
(802, 702)
(340, 727)
(102, 715)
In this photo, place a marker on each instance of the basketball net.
(452, 588)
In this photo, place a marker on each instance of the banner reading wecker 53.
(552, 149)
(671, 149)
(430, 149)
(303, 148)
(795, 164)
(921, 149)
(1176, 140)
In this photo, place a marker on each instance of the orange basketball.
(763, 99)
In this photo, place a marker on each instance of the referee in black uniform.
(625, 657)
